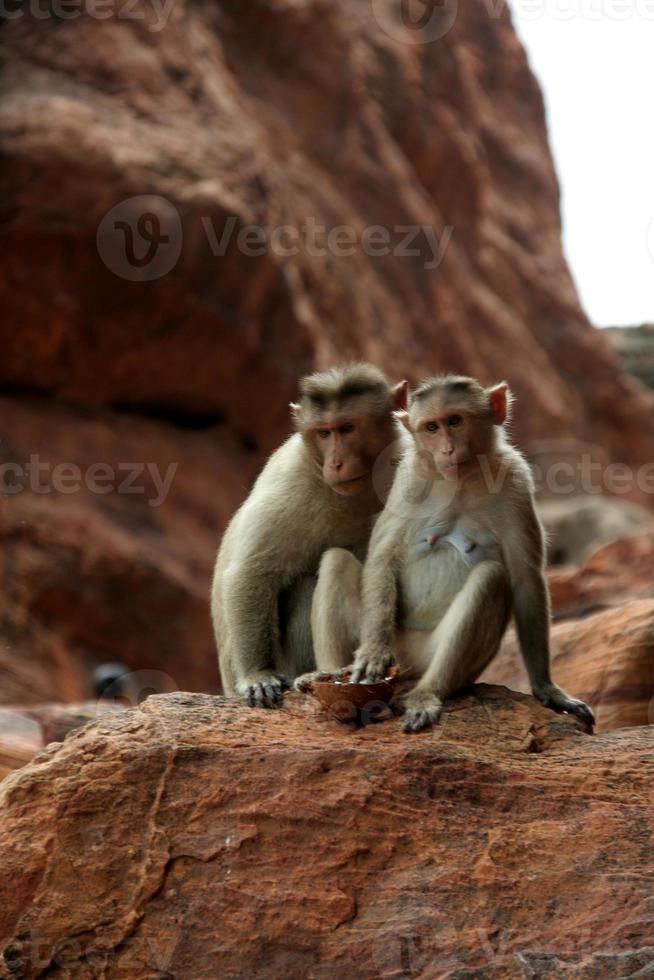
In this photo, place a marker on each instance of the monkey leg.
(462, 645)
(336, 610)
(295, 655)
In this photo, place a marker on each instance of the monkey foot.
(421, 709)
(578, 709)
(558, 700)
(265, 691)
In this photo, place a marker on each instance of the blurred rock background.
(276, 113)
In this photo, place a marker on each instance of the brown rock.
(614, 573)
(20, 739)
(606, 660)
(577, 525)
(91, 576)
(196, 838)
(23, 731)
(273, 114)
(635, 345)
(269, 113)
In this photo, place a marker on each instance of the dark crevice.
(182, 418)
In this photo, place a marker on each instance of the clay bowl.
(359, 703)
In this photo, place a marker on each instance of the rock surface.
(576, 525)
(228, 115)
(615, 573)
(278, 114)
(23, 731)
(607, 660)
(91, 576)
(197, 838)
(635, 345)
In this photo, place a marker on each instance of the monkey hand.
(421, 709)
(370, 665)
(263, 689)
(552, 696)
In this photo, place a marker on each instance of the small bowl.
(358, 703)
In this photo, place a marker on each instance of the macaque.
(315, 493)
(457, 550)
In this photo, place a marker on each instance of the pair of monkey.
(392, 527)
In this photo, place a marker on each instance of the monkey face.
(347, 448)
(452, 420)
(449, 436)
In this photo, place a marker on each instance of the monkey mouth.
(356, 481)
(454, 467)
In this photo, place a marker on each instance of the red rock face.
(606, 660)
(606, 657)
(122, 575)
(278, 114)
(234, 115)
(612, 574)
(202, 839)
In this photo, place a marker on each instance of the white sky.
(595, 62)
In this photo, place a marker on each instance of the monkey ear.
(400, 396)
(500, 400)
(403, 417)
(295, 412)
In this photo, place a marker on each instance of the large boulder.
(197, 838)
(605, 659)
(576, 525)
(614, 573)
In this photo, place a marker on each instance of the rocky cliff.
(635, 347)
(195, 838)
(201, 201)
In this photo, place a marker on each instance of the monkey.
(316, 492)
(457, 551)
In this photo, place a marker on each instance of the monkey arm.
(524, 552)
(531, 611)
(259, 557)
(249, 597)
(379, 605)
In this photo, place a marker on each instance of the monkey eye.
(454, 420)
(432, 427)
(345, 428)
(323, 433)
